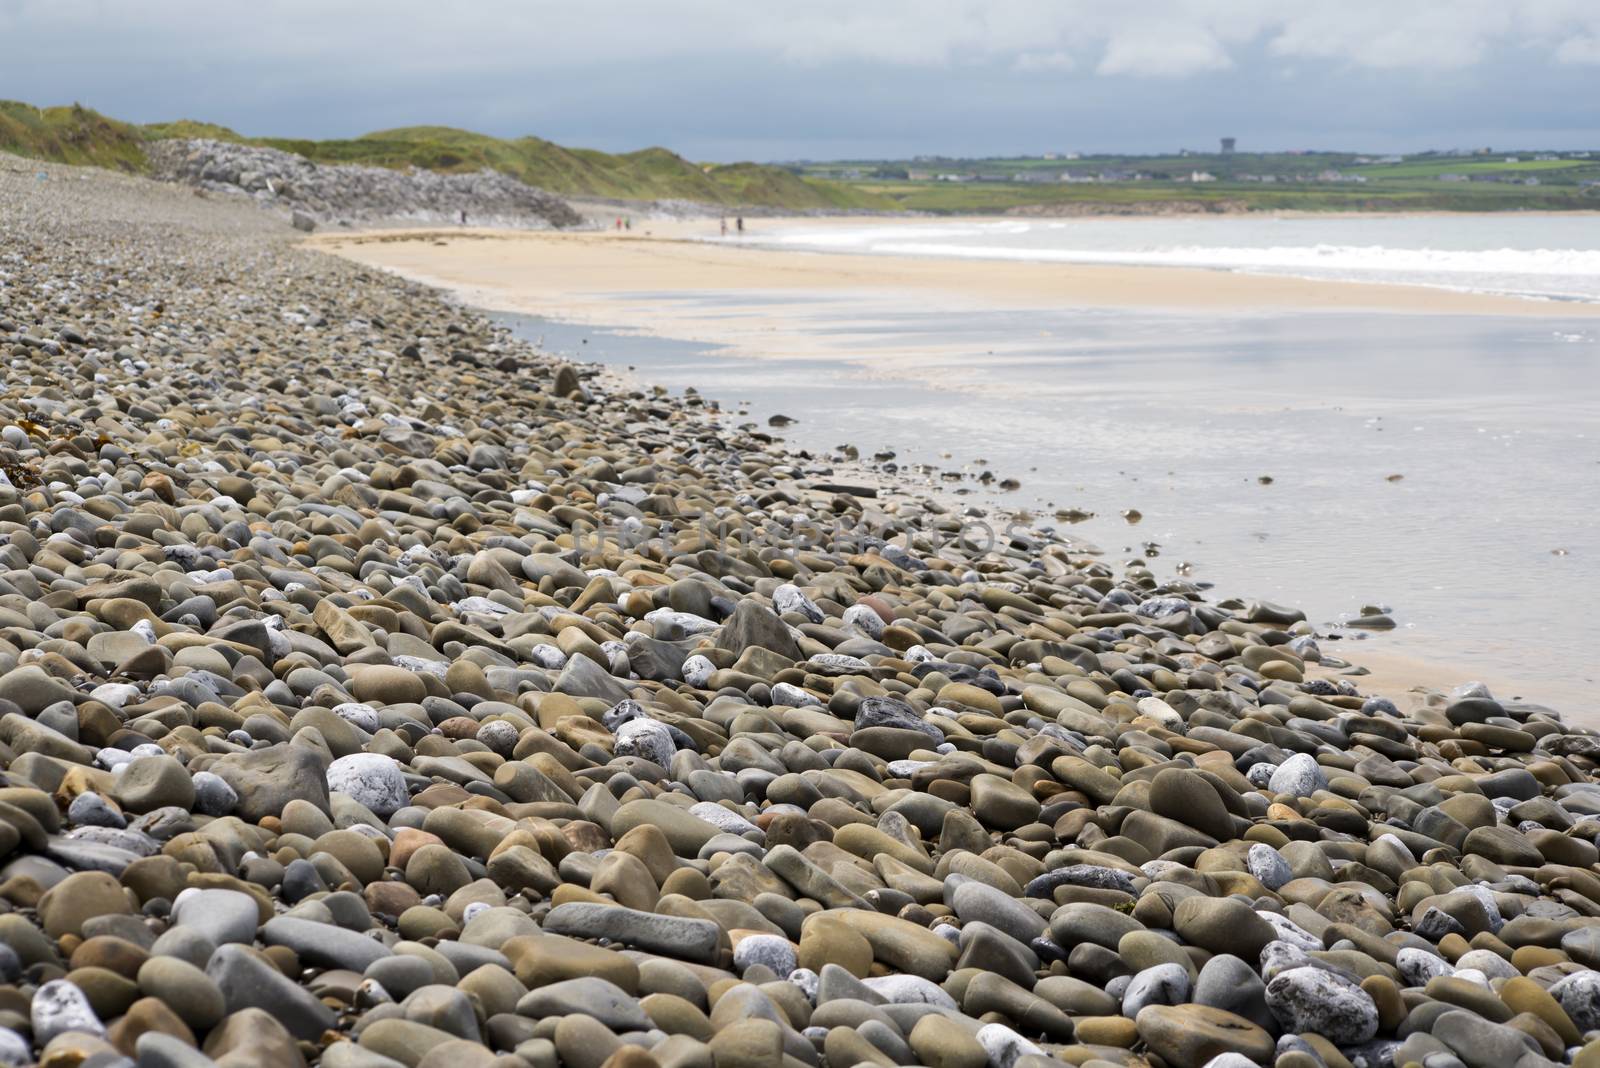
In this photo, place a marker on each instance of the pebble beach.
(378, 690)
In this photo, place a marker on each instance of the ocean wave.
(1566, 273)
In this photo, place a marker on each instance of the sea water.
(1446, 468)
(1554, 256)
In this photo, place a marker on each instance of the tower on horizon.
(1227, 146)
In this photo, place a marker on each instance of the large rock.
(268, 779)
(249, 1038)
(248, 982)
(1315, 999)
(356, 192)
(1186, 796)
(68, 905)
(1228, 983)
(372, 780)
(223, 916)
(60, 1006)
(1299, 776)
(152, 782)
(583, 677)
(1579, 996)
(673, 936)
(754, 625)
(686, 833)
(1187, 1036)
(33, 689)
(1222, 925)
(324, 944)
(589, 996)
(1484, 1044)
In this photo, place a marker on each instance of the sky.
(724, 80)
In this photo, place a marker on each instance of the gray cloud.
(721, 79)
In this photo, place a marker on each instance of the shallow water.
(1487, 547)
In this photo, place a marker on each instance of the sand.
(647, 280)
(595, 276)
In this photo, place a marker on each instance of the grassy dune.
(70, 135)
(78, 135)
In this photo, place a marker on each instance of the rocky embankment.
(332, 731)
(327, 194)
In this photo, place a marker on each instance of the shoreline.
(541, 271)
(489, 270)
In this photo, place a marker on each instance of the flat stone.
(222, 916)
(1188, 1036)
(673, 936)
(266, 780)
(248, 982)
(324, 944)
(589, 996)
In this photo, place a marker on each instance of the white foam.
(1572, 273)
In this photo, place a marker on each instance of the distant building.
(1052, 155)
(1227, 146)
(1452, 178)
(1073, 155)
(1202, 176)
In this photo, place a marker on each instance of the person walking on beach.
(739, 225)
(619, 222)
(724, 221)
(463, 216)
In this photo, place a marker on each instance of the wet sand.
(870, 350)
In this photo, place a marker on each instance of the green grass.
(1434, 168)
(70, 135)
(1296, 182)
(1431, 195)
(78, 135)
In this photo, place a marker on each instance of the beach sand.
(592, 276)
(766, 304)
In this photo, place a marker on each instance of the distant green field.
(1317, 181)
(1135, 197)
(1434, 168)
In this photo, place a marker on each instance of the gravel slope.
(375, 690)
